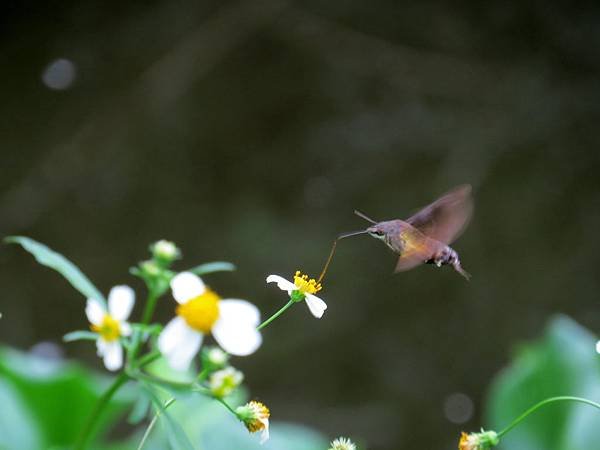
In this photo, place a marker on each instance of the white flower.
(255, 417)
(598, 347)
(111, 325)
(342, 443)
(201, 311)
(302, 289)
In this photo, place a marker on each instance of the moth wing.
(417, 248)
(445, 219)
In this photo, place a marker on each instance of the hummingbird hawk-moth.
(423, 238)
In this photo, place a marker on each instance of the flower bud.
(224, 382)
(214, 358)
(164, 251)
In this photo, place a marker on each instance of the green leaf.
(140, 409)
(217, 266)
(209, 425)
(175, 434)
(58, 262)
(59, 396)
(563, 362)
(18, 429)
(79, 336)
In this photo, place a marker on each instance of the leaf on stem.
(80, 336)
(177, 438)
(217, 266)
(49, 258)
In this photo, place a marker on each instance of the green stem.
(149, 308)
(153, 423)
(157, 380)
(537, 406)
(226, 405)
(90, 425)
(276, 315)
(147, 359)
(146, 317)
(168, 403)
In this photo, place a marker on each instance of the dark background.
(249, 131)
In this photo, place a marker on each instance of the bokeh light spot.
(458, 408)
(59, 74)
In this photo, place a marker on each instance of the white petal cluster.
(234, 330)
(315, 305)
(112, 324)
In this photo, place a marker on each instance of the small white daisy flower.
(255, 417)
(232, 322)
(111, 325)
(302, 289)
(342, 443)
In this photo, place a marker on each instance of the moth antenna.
(368, 219)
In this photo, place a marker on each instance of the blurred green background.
(249, 131)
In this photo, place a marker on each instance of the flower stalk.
(90, 425)
(563, 398)
(276, 315)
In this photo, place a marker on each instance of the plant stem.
(276, 315)
(226, 405)
(153, 422)
(157, 380)
(147, 359)
(149, 308)
(535, 407)
(89, 426)
(146, 317)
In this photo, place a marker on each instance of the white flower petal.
(101, 346)
(235, 330)
(598, 347)
(94, 310)
(125, 328)
(113, 355)
(241, 310)
(282, 283)
(315, 304)
(264, 435)
(186, 286)
(120, 302)
(179, 343)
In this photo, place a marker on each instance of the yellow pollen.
(109, 329)
(261, 413)
(201, 312)
(305, 285)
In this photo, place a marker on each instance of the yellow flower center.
(468, 442)
(109, 329)
(260, 414)
(305, 285)
(201, 312)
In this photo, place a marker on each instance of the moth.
(425, 237)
